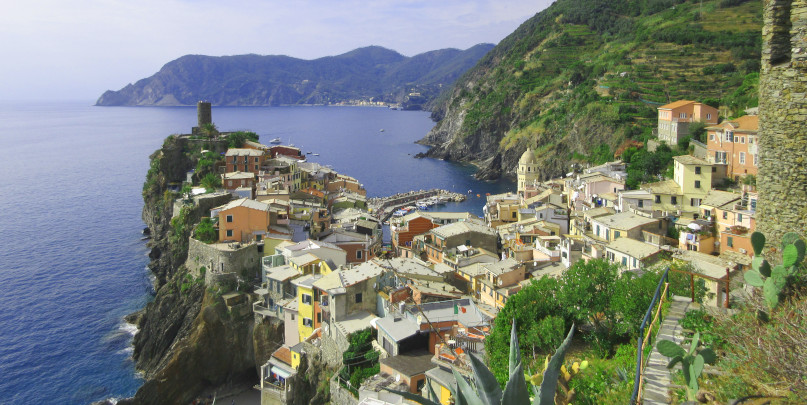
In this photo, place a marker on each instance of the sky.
(76, 50)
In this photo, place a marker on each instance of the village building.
(732, 146)
(243, 160)
(674, 119)
(243, 220)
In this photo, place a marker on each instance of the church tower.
(527, 171)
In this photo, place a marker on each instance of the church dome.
(527, 158)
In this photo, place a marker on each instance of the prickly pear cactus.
(773, 280)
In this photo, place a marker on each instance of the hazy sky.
(59, 49)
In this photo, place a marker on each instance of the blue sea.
(73, 262)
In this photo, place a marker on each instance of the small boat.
(316, 154)
(275, 141)
(381, 130)
(308, 153)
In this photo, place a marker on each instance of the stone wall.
(782, 178)
(220, 260)
(340, 395)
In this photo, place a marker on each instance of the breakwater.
(383, 207)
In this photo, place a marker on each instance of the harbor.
(402, 203)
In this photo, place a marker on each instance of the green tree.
(236, 139)
(210, 182)
(209, 130)
(531, 305)
(205, 231)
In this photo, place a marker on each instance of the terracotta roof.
(676, 104)
(690, 160)
(746, 123)
(283, 354)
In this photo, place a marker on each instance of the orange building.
(244, 220)
(735, 222)
(734, 144)
(674, 119)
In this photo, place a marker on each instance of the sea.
(73, 257)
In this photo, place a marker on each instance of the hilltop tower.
(204, 113)
(782, 174)
(527, 171)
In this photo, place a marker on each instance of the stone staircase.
(656, 375)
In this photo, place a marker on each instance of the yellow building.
(692, 180)
(694, 176)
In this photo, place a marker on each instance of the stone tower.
(204, 114)
(782, 178)
(527, 171)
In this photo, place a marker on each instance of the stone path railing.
(656, 384)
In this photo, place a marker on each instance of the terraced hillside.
(583, 76)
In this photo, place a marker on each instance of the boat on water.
(316, 154)
(275, 141)
(308, 153)
(381, 130)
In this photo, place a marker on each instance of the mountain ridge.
(583, 77)
(368, 73)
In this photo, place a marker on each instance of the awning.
(280, 372)
(694, 226)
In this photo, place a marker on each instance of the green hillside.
(587, 73)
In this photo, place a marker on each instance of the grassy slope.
(589, 72)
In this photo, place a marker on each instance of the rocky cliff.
(188, 340)
(583, 76)
(371, 73)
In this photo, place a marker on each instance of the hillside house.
(733, 144)
(674, 119)
(243, 220)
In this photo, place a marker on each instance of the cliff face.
(363, 74)
(188, 340)
(584, 75)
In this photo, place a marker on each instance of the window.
(695, 202)
(739, 217)
(756, 159)
(673, 200)
(306, 298)
(229, 218)
(697, 170)
(714, 169)
(709, 116)
(358, 254)
(617, 234)
(711, 137)
(624, 261)
(319, 317)
(641, 203)
(256, 160)
(725, 215)
(730, 241)
(750, 140)
(358, 298)
(742, 158)
(229, 233)
(514, 214)
(736, 139)
(697, 184)
(308, 322)
(729, 136)
(682, 115)
(658, 199)
(742, 139)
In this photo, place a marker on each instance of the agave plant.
(485, 390)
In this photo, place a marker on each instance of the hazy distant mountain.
(366, 73)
